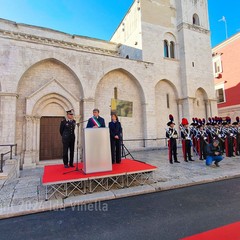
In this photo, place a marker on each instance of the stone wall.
(129, 31)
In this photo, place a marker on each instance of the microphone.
(78, 120)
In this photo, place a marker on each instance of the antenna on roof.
(223, 19)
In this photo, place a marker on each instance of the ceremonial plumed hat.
(213, 121)
(184, 121)
(200, 123)
(237, 121)
(228, 119)
(171, 120)
(224, 121)
(209, 122)
(194, 122)
(220, 120)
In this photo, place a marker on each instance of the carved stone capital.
(29, 118)
(193, 28)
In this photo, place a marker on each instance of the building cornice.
(180, 100)
(193, 28)
(8, 94)
(226, 42)
(232, 107)
(54, 42)
(186, 98)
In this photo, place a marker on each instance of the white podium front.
(97, 151)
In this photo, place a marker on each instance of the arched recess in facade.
(47, 88)
(201, 108)
(166, 103)
(127, 88)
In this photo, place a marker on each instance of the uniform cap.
(70, 112)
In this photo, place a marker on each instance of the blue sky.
(99, 18)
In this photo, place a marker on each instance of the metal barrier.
(9, 152)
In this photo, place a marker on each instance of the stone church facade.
(159, 58)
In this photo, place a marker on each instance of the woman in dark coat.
(115, 129)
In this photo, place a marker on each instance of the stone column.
(180, 109)
(188, 107)
(79, 134)
(29, 154)
(8, 117)
(149, 122)
(213, 107)
(208, 108)
(1, 114)
(36, 139)
(88, 106)
(185, 108)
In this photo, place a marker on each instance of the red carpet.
(55, 173)
(229, 232)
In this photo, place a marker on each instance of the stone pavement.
(26, 195)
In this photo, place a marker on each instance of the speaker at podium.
(96, 150)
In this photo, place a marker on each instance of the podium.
(97, 150)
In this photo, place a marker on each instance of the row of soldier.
(200, 133)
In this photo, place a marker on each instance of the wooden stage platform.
(66, 181)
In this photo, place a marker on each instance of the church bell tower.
(195, 57)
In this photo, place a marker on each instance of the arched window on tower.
(172, 49)
(196, 20)
(166, 52)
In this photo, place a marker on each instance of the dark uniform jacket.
(67, 128)
(91, 124)
(186, 134)
(171, 133)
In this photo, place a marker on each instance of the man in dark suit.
(67, 128)
(96, 121)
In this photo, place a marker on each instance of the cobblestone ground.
(28, 188)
